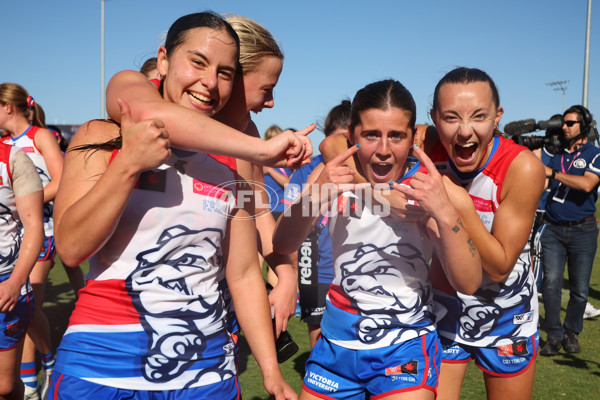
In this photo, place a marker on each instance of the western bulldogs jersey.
(10, 237)
(26, 142)
(380, 294)
(153, 315)
(498, 313)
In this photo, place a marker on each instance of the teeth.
(199, 97)
(468, 145)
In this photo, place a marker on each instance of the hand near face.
(289, 149)
(145, 144)
(427, 190)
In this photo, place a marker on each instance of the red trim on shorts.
(531, 361)
(465, 361)
(424, 375)
(237, 385)
(57, 386)
(319, 395)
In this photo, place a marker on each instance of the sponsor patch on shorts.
(411, 367)
(523, 318)
(515, 349)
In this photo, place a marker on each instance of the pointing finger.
(343, 156)
(425, 160)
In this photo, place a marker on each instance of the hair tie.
(30, 102)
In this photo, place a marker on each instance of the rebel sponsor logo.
(306, 261)
(1, 181)
(28, 149)
(155, 180)
(515, 349)
(411, 368)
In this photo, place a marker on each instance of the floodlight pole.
(102, 94)
(586, 62)
(561, 87)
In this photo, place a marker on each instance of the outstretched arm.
(194, 131)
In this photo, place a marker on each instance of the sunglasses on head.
(571, 123)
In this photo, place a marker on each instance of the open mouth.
(381, 171)
(465, 153)
(200, 100)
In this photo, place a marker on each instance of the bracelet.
(554, 172)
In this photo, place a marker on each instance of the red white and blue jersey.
(10, 229)
(153, 315)
(380, 294)
(26, 142)
(498, 313)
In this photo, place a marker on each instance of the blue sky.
(332, 48)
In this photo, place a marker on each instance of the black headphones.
(589, 125)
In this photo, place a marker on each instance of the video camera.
(553, 140)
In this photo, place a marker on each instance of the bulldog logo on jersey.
(168, 289)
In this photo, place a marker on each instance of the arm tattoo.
(456, 227)
(472, 247)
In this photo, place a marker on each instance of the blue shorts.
(14, 324)
(48, 250)
(65, 387)
(403, 367)
(501, 361)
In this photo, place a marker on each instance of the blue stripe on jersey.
(93, 355)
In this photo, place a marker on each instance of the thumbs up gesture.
(146, 143)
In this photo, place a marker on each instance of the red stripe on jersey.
(104, 303)
(340, 299)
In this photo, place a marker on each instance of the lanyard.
(562, 162)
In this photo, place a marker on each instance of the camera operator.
(571, 230)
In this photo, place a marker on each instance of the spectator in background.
(315, 259)
(24, 120)
(150, 71)
(62, 142)
(276, 178)
(571, 233)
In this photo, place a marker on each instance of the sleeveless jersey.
(10, 231)
(10, 225)
(153, 315)
(26, 142)
(498, 313)
(380, 294)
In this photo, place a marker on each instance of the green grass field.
(565, 376)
